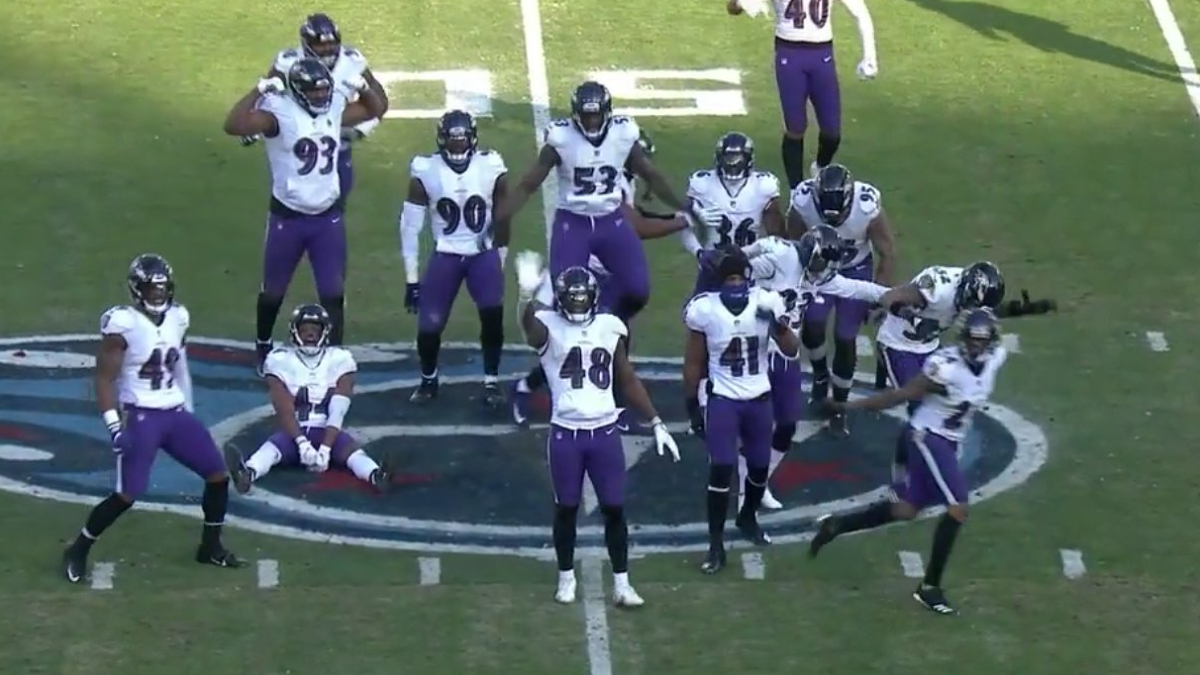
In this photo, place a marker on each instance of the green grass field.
(1052, 138)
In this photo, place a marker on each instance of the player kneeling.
(583, 352)
(310, 385)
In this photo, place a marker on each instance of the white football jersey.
(741, 211)
(147, 376)
(937, 285)
(303, 155)
(737, 344)
(949, 415)
(350, 64)
(803, 20)
(310, 380)
(867, 206)
(591, 180)
(578, 360)
(461, 202)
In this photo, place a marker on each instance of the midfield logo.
(469, 481)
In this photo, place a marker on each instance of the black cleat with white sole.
(74, 564)
(934, 600)
(218, 556)
(242, 475)
(826, 532)
(752, 531)
(715, 560)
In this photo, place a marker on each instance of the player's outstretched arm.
(883, 241)
(285, 408)
(866, 31)
(547, 159)
(913, 390)
(640, 165)
(339, 405)
(245, 119)
(649, 226)
(906, 295)
(377, 87)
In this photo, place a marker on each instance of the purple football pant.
(729, 423)
(290, 236)
(808, 72)
(851, 314)
(343, 446)
(787, 396)
(177, 432)
(901, 367)
(933, 475)
(610, 290)
(445, 274)
(611, 239)
(345, 169)
(596, 453)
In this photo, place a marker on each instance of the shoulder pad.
(626, 125)
(494, 160)
(870, 202)
(700, 174)
(613, 323)
(557, 133)
(277, 362)
(420, 165)
(937, 366)
(695, 313)
(117, 320)
(182, 315)
(768, 183)
(351, 52)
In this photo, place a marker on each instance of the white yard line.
(1072, 563)
(102, 576)
(431, 570)
(539, 96)
(595, 617)
(1157, 341)
(268, 573)
(754, 567)
(1179, 50)
(911, 563)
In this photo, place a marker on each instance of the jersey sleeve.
(695, 315)
(869, 201)
(853, 289)
(773, 302)
(614, 325)
(939, 367)
(555, 135)
(932, 283)
(801, 195)
(768, 186)
(629, 128)
(278, 364)
(546, 316)
(695, 186)
(183, 319)
(117, 321)
(284, 60)
(495, 163)
(354, 58)
(419, 168)
(343, 363)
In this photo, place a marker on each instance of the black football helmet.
(151, 283)
(321, 39)
(978, 337)
(734, 157)
(311, 85)
(576, 294)
(457, 138)
(310, 327)
(820, 252)
(834, 187)
(981, 285)
(591, 110)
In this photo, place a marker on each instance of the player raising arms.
(589, 152)
(806, 70)
(300, 119)
(728, 335)
(462, 184)
(310, 385)
(583, 352)
(855, 210)
(804, 273)
(739, 204)
(142, 368)
(321, 39)
(954, 383)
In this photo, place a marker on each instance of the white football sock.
(565, 575)
(741, 474)
(490, 379)
(361, 464)
(620, 579)
(523, 386)
(263, 459)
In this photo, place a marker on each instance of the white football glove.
(270, 85)
(322, 464)
(709, 215)
(867, 69)
(357, 83)
(503, 252)
(309, 456)
(663, 440)
(529, 272)
(753, 8)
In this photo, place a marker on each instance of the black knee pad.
(720, 476)
(845, 358)
(812, 335)
(781, 439)
(491, 325)
(613, 515)
(758, 475)
(565, 514)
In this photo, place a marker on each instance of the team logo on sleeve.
(468, 480)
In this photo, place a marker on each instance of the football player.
(584, 354)
(954, 382)
(462, 184)
(321, 39)
(805, 70)
(855, 210)
(803, 272)
(739, 204)
(728, 335)
(589, 152)
(144, 391)
(300, 120)
(310, 384)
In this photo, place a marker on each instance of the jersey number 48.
(599, 372)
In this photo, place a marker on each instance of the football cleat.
(625, 596)
(74, 564)
(827, 531)
(769, 501)
(381, 478)
(261, 351)
(520, 405)
(752, 531)
(426, 391)
(218, 556)
(566, 589)
(241, 475)
(492, 397)
(934, 600)
(838, 425)
(714, 561)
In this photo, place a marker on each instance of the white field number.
(652, 93)
(469, 90)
